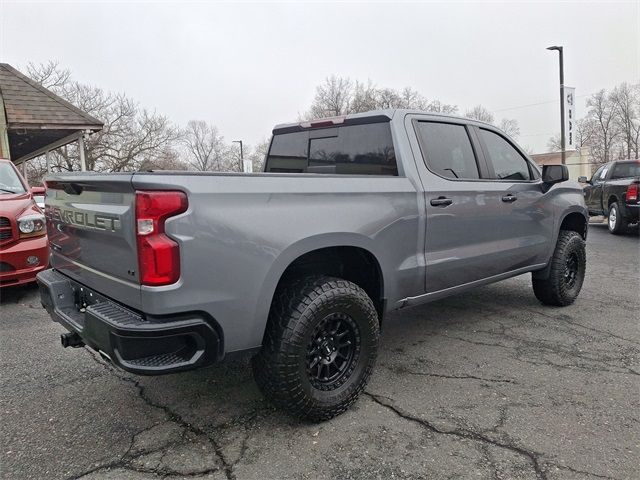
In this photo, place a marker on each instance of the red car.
(24, 250)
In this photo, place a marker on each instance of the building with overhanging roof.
(579, 162)
(34, 120)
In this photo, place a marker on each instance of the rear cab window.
(288, 153)
(344, 150)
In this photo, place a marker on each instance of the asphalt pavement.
(487, 384)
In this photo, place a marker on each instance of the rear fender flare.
(299, 248)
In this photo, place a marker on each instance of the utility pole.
(241, 155)
(561, 58)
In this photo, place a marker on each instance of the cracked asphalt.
(486, 384)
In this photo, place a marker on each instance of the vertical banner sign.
(569, 118)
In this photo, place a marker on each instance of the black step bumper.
(135, 342)
(631, 212)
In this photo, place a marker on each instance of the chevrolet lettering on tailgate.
(78, 218)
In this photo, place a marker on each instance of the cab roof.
(372, 116)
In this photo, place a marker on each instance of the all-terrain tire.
(303, 313)
(566, 271)
(616, 224)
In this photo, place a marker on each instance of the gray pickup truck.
(352, 218)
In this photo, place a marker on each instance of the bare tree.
(626, 99)
(130, 139)
(439, 107)
(388, 98)
(143, 137)
(204, 146)
(50, 75)
(333, 97)
(602, 125)
(582, 136)
(480, 113)
(167, 160)
(341, 96)
(364, 98)
(258, 155)
(554, 143)
(510, 127)
(410, 98)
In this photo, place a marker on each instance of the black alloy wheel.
(571, 270)
(333, 351)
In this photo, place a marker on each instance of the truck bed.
(236, 238)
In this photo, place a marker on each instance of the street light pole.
(241, 155)
(561, 58)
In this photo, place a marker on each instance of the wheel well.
(354, 264)
(612, 199)
(576, 222)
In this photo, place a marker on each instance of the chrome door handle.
(509, 198)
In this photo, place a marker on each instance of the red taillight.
(632, 192)
(158, 255)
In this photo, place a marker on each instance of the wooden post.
(4, 138)
(83, 160)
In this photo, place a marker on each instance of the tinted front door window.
(507, 162)
(596, 175)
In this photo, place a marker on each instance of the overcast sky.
(248, 66)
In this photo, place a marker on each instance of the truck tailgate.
(91, 228)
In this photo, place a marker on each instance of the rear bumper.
(135, 342)
(18, 263)
(631, 212)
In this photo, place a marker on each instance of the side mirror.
(583, 179)
(554, 174)
(38, 190)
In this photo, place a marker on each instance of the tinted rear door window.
(349, 150)
(447, 150)
(507, 162)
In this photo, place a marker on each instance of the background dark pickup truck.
(613, 192)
